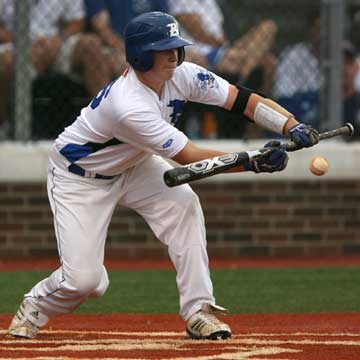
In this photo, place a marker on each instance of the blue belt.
(75, 169)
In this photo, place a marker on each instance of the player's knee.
(100, 290)
(84, 283)
(102, 286)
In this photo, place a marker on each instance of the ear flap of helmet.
(181, 55)
(143, 62)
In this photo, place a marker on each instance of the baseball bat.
(216, 165)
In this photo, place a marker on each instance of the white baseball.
(319, 166)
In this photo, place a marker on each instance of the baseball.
(319, 166)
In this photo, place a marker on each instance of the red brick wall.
(242, 218)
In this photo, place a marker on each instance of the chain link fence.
(54, 58)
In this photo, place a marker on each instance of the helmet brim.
(167, 44)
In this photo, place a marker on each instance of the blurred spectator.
(202, 22)
(351, 94)
(298, 78)
(246, 61)
(354, 33)
(108, 19)
(57, 43)
(355, 39)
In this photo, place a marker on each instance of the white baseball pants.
(83, 208)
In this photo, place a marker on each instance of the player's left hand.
(304, 135)
(276, 161)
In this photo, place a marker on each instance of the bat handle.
(347, 129)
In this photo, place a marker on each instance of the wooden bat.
(210, 167)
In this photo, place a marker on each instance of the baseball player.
(113, 153)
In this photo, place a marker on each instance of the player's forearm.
(192, 153)
(266, 113)
(254, 103)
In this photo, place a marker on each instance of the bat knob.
(351, 128)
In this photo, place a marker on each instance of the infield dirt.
(324, 336)
(126, 336)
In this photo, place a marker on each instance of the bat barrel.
(208, 167)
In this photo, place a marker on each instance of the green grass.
(242, 291)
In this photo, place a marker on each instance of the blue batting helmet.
(152, 31)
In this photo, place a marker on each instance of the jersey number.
(102, 94)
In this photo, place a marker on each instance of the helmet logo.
(173, 29)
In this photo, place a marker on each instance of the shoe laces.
(28, 323)
(208, 318)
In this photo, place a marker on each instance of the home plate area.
(125, 336)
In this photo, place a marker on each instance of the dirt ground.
(324, 336)
(125, 336)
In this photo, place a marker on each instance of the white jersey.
(127, 122)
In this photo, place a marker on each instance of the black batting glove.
(276, 161)
(304, 135)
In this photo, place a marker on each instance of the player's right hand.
(304, 135)
(275, 161)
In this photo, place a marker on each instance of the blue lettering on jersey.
(178, 106)
(102, 94)
(205, 80)
(168, 143)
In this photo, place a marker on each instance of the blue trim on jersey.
(75, 152)
(178, 107)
